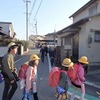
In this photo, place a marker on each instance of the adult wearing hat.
(31, 78)
(8, 70)
(64, 81)
(78, 84)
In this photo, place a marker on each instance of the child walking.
(64, 82)
(78, 84)
(31, 78)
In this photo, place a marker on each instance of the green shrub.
(24, 43)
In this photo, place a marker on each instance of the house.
(51, 39)
(6, 35)
(7, 28)
(35, 40)
(83, 36)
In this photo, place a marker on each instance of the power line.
(35, 14)
(38, 9)
(32, 8)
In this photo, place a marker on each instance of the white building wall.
(98, 9)
(68, 47)
(82, 41)
(58, 41)
(81, 15)
(11, 30)
(5, 28)
(93, 50)
(85, 13)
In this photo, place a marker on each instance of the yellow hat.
(34, 57)
(83, 60)
(67, 62)
(12, 44)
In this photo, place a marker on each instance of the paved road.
(45, 92)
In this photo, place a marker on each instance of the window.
(97, 36)
(93, 10)
(68, 40)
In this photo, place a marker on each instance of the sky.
(50, 15)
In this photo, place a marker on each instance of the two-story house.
(83, 36)
(7, 28)
(6, 35)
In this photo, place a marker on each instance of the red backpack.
(22, 71)
(72, 73)
(54, 76)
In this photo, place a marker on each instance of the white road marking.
(17, 60)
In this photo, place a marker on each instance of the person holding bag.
(9, 72)
(31, 78)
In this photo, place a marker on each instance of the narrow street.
(45, 92)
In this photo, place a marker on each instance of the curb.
(92, 84)
(87, 96)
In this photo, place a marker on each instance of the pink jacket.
(80, 80)
(30, 77)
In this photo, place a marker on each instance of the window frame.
(97, 36)
(93, 10)
(68, 40)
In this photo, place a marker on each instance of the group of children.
(64, 83)
(31, 77)
(77, 84)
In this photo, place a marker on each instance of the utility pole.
(26, 18)
(36, 29)
(54, 36)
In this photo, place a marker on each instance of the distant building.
(35, 40)
(6, 32)
(7, 28)
(51, 39)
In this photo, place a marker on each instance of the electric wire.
(38, 9)
(32, 8)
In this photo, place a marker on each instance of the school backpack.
(54, 76)
(22, 71)
(72, 73)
